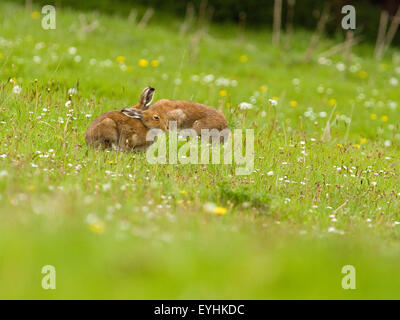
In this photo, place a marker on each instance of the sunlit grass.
(115, 226)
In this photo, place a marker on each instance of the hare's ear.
(133, 113)
(146, 97)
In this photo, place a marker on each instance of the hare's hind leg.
(105, 134)
(212, 129)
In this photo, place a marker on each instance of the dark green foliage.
(242, 196)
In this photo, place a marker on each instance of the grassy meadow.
(324, 192)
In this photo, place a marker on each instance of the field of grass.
(115, 226)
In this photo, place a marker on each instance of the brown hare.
(114, 129)
(187, 114)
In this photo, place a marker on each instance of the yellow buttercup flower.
(35, 14)
(363, 74)
(293, 103)
(155, 63)
(110, 162)
(143, 63)
(120, 59)
(332, 102)
(182, 192)
(219, 210)
(373, 116)
(97, 227)
(263, 88)
(357, 146)
(363, 140)
(31, 187)
(243, 58)
(339, 145)
(384, 118)
(223, 93)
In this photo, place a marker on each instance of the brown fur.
(116, 129)
(188, 114)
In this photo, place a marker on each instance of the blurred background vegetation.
(253, 13)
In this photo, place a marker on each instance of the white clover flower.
(72, 50)
(387, 143)
(17, 89)
(273, 102)
(295, 82)
(88, 115)
(270, 173)
(178, 81)
(245, 105)
(208, 78)
(340, 66)
(3, 173)
(39, 45)
(72, 91)
(37, 59)
(77, 59)
(195, 78)
(68, 103)
(394, 81)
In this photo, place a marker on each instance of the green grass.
(115, 226)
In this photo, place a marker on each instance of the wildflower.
(273, 101)
(222, 93)
(293, 103)
(243, 58)
(339, 145)
(373, 116)
(97, 226)
(72, 50)
(72, 91)
(245, 105)
(384, 118)
(31, 187)
(263, 88)
(363, 140)
(394, 81)
(357, 146)
(387, 143)
(363, 74)
(143, 63)
(270, 173)
(110, 162)
(68, 103)
(37, 59)
(3, 173)
(35, 15)
(219, 210)
(17, 89)
(120, 59)
(155, 63)
(340, 66)
(295, 82)
(332, 102)
(77, 59)
(182, 192)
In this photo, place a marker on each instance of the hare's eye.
(156, 118)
